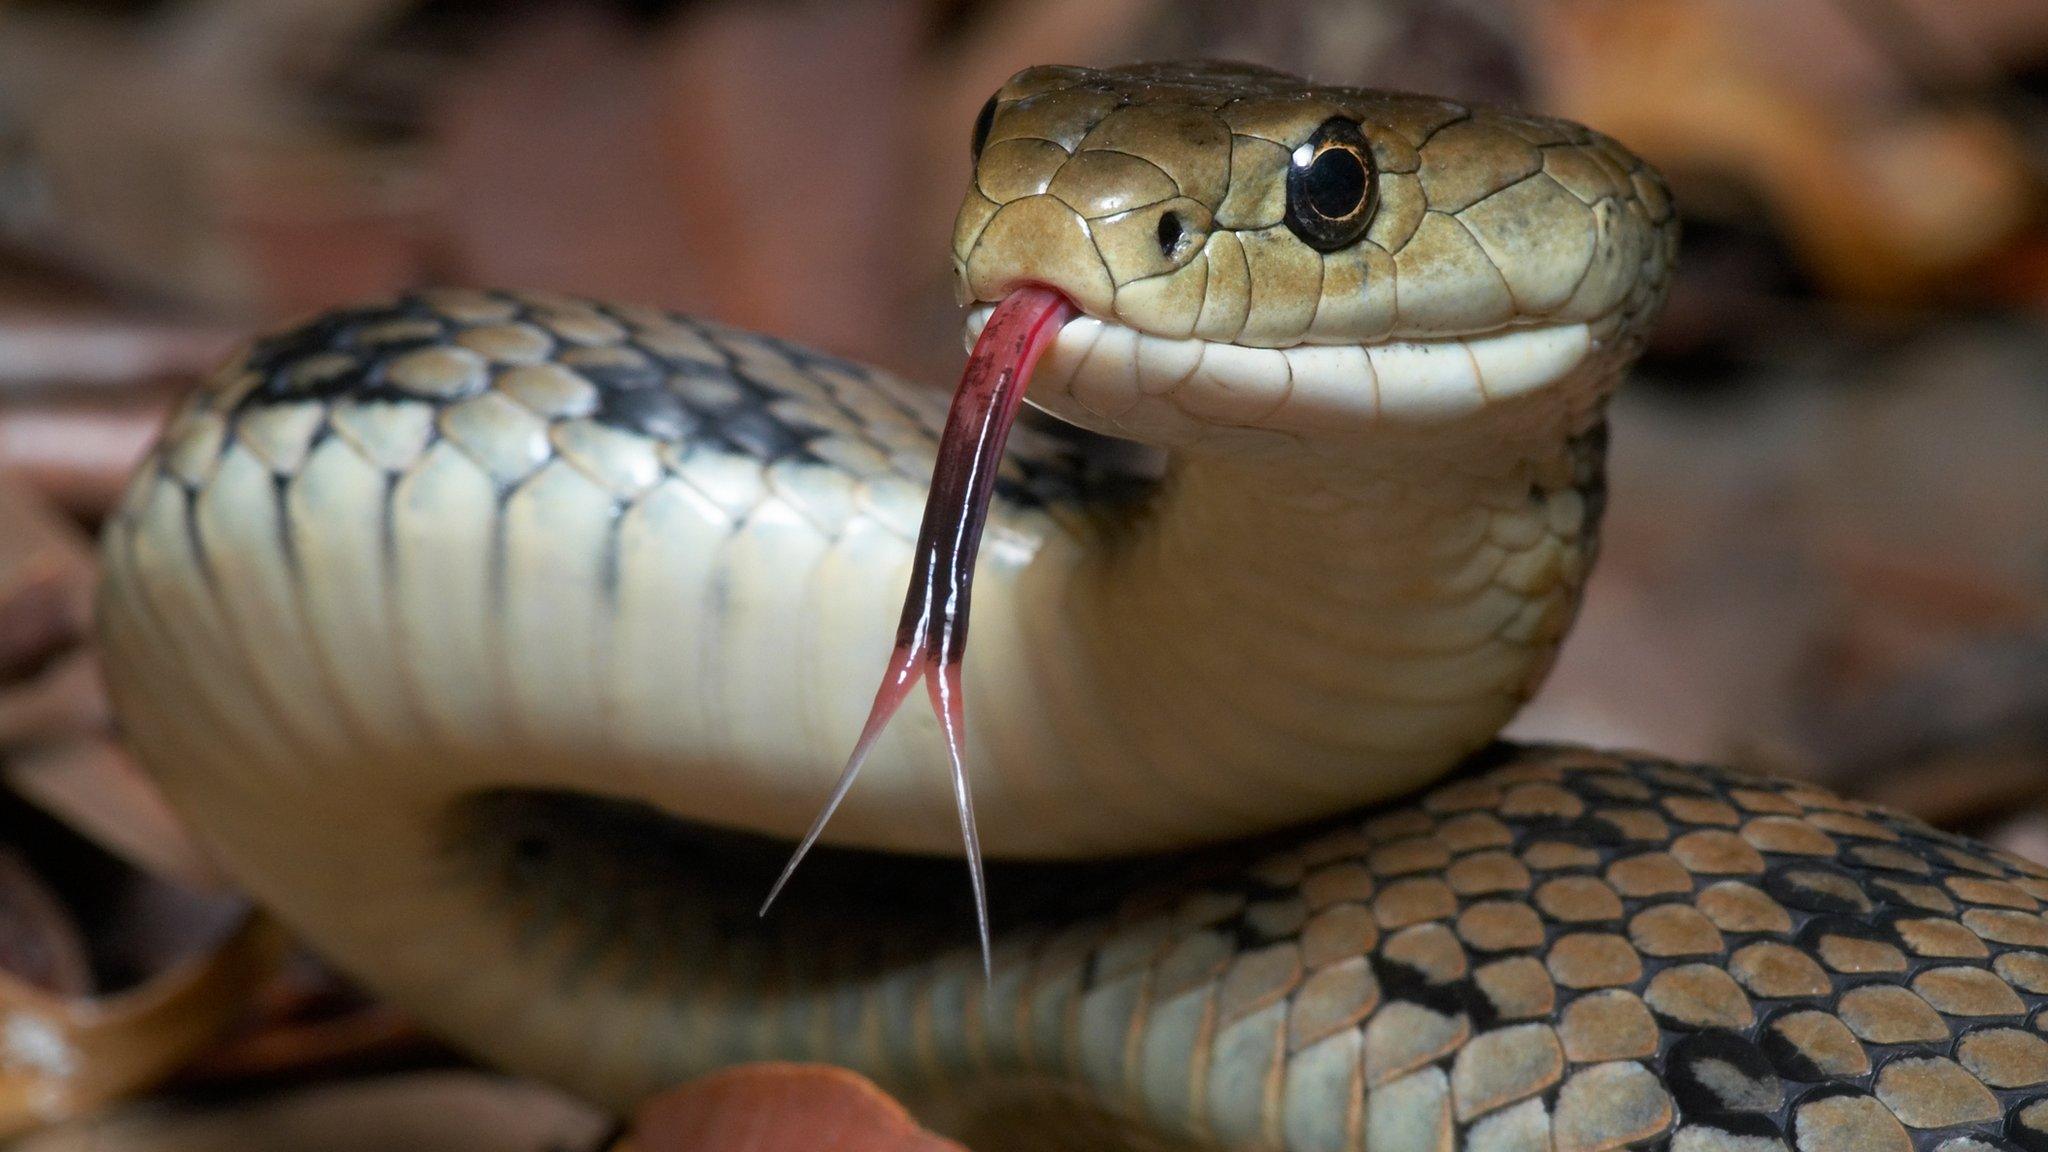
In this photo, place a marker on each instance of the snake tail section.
(1561, 949)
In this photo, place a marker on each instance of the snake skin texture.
(493, 639)
(1561, 949)
(642, 459)
(661, 377)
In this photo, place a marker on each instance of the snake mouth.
(1121, 381)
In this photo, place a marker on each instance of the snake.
(503, 643)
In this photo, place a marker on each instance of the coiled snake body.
(494, 640)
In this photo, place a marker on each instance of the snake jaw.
(931, 636)
(1119, 381)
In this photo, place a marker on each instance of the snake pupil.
(1335, 183)
(1330, 187)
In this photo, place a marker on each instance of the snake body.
(496, 641)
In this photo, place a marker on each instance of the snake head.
(1255, 254)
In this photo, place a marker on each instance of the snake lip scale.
(501, 643)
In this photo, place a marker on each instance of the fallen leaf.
(1742, 97)
(431, 1111)
(80, 455)
(776, 1107)
(92, 785)
(56, 731)
(39, 942)
(46, 580)
(295, 1043)
(63, 1057)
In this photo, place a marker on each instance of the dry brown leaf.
(46, 578)
(79, 456)
(776, 1107)
(55, 727)
(92, 785)
(82, 347)
(564, 185)
(39, 942)
(416, 1112)
(63, 1057)
(1847, 184)
(283, 1048)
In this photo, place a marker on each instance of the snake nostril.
(1171, 233)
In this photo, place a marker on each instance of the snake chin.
(1114, 379)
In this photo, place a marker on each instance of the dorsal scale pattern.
(1562, 950)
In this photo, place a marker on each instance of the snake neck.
(1275, 638)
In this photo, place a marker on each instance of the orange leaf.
(67, 1056)
(777, 1107)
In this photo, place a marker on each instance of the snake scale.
(500, 643)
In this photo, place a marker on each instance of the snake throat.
(931, 636)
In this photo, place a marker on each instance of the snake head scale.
(1264, 262)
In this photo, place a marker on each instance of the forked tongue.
(932, 634)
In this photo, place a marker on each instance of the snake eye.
(983, 121)
(1331, 191)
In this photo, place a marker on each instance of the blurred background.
(1826, 554)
